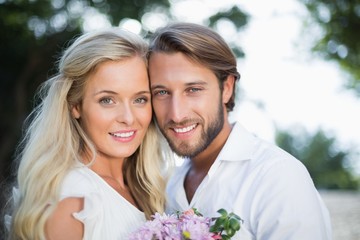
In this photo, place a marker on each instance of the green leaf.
(234, 224)
(230, 232)
(225, 237)
(226, 225)
(196, 212)
(223, 212)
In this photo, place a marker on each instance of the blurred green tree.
(33, 36)
(328, 166)
(339, 41)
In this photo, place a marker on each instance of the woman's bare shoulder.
(62, 224)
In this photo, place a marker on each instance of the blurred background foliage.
(34, 33)
(338, 26)
(329, 166)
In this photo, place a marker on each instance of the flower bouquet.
(188, 225)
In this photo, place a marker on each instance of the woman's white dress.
(106, 214)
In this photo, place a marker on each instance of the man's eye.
(161, 92)
(194, 89)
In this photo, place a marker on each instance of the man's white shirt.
(268, 188)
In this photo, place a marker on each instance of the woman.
(90, 167)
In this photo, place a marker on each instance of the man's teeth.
(185, 129)
(123, 135)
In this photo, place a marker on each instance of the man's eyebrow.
(156, 86)
(196, 83)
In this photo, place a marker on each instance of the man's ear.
(75, 111)
(228, 88)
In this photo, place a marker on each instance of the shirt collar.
(239, 146)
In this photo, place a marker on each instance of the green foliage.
(326, 163)
(226, 225)
(238, 18)
(235, 15)
(339, 21)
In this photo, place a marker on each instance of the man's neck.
(204, 160)
(201, 164)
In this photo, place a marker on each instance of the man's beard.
(190, 149)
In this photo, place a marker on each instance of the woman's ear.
(75, 111)
(228, 88)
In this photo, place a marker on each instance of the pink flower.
(189, 212)
(181, 226)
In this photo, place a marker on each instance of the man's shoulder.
(259, 152)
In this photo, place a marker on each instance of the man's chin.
(186, 152)
(181, 150)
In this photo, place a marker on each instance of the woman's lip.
(123, 136)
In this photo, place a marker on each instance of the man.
(193, 75)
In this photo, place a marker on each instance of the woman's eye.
(106, 101)
(141, 100)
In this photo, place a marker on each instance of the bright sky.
(294, 87)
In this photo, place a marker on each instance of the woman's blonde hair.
(53, 139)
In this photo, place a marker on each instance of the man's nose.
(178, 109)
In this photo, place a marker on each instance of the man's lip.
(184, 129)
